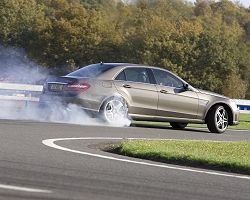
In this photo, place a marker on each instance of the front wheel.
(217, 119)
(114, 111)
(176, 125)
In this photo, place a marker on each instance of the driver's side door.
(174, 100)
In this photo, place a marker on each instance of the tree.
(234, 87)
(20, 21)
(206, 44)
(78, 37)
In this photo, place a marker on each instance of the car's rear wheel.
(114, 110)
(217, 119)
(177, 125)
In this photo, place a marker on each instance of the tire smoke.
(17, 68)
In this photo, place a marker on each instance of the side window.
(137, 75)
(166, 79)
(121, 76)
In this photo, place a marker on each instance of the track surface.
(34, 167)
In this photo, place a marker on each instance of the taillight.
(79, 87)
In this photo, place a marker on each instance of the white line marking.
(24, 189)
(238, 130)
(50, 143)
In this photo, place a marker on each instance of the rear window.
(91, 71)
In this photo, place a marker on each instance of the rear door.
(133, 83)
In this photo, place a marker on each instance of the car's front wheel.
(114, 110)
(217, 119)
(176, 125)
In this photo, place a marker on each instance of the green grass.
(226, 156)
(244, 123)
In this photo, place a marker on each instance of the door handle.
(126, 86)
(164, 91)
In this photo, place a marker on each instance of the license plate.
(56, 87)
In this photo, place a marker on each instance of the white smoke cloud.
(72, 114)
(16, 68)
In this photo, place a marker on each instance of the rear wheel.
(114, 110)
(217, 119)
(177, 125)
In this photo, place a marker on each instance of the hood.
(212, 93)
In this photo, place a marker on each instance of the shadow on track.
(156, 126)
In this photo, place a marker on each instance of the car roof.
(111, 70)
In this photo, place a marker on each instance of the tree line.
(206, 43)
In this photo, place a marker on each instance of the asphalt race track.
(57, 161)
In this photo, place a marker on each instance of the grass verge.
(225, 156)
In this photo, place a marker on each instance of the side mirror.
(186, 87)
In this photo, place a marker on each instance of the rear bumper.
(52, 101)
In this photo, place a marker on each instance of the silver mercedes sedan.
(114, 91)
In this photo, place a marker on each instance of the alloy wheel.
(115, 110)
(221, 119)
(217, 119)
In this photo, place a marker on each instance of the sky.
(245, 3)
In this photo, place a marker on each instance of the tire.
(114, 110)
(177, 125)
(217, 119)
